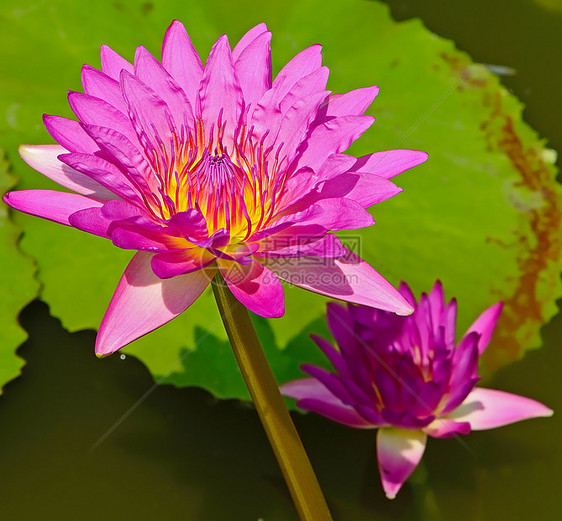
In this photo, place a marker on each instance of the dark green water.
(181, 454)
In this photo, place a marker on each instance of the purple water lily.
(409, 378)
(216, 168)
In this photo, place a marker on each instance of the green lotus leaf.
(482, 214)
(17, 283)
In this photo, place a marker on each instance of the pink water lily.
(216, 168)
(407, 377)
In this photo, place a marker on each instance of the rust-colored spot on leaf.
(537, 246)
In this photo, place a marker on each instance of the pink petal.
(253, 67)
(353, 103)
(444, 428)
(220, 92)
(70, 135)
(315, 82)
(389, 163)
(255, 286)
(44, 159)
(172, 264)
(350, 279)
(296, 121)
(398, 452)
(247, 39)
(364, 189)
(301, 65)
(181, 60)
(101, 86)
(149, 113)
(143, 302)
(102, 172)
(126, 155)
(49, 204)
(112, 63)
(313, 396)
(96, 112)
(488, 408)
(332, 137)
(484, 325)
(151, 73)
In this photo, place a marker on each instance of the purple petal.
(49, 204)
(44, 159)
(351, 280)
(398, 453)
(112, 63)
(488, 408)
(389, 163)
(313, 396)
(220, 92)
(181, 60)
(484, 325)
(143, 302)
(255, 286)
(253, 65)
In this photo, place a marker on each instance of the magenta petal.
(332, 137)
(313, 396)
(112, 63)
(49, 204)
(96, 112)
(484, 325)
(44, 159)
(220, 92)
(256, 287)
(398, 452)
(444, 428)
(172, 264)
(301, 65)
(488, 408)
(389, 163)
(351, 280)
(101, 86)
(143, 302)
(149, 113)
(253, 67)
(151, 73)
(70, 135)
(247, 39)
(353, 103)
(181, 60)
(103, 172)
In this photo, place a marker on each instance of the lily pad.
(482, 214)
(17, 283)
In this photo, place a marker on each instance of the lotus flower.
(407, 377)
(216, 168)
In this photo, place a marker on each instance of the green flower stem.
(279, 427)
